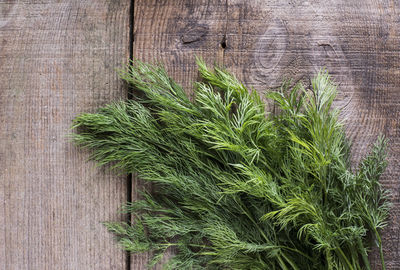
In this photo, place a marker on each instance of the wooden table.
(58, 59)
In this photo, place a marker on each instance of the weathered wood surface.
(267, 41)
(57, 59)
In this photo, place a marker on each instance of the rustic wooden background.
(58, 58)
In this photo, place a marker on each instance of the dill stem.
(297, 251)
(290, 262)
(328, 259)
(380, 248)
(246, 212)
(282, 263)
(364, 254)
(177, 244)
(343, 256)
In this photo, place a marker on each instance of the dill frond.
(234, 186)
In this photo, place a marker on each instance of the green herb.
(233, 186)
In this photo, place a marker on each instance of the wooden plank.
(358, 42)
(57, 59)
(268, 41)
(173, 32)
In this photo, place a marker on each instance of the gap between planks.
(129, 177)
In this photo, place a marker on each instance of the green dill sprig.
(234, 186)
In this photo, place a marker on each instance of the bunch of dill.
(235, 187)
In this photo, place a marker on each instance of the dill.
(234, 186)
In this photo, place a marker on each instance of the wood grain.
(268, 41)
(57, 59)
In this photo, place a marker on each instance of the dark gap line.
(131, 38)
(131, 30)
(223, 42)
(130, 96)
(129, 217)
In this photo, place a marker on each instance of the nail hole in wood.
(223, 42)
